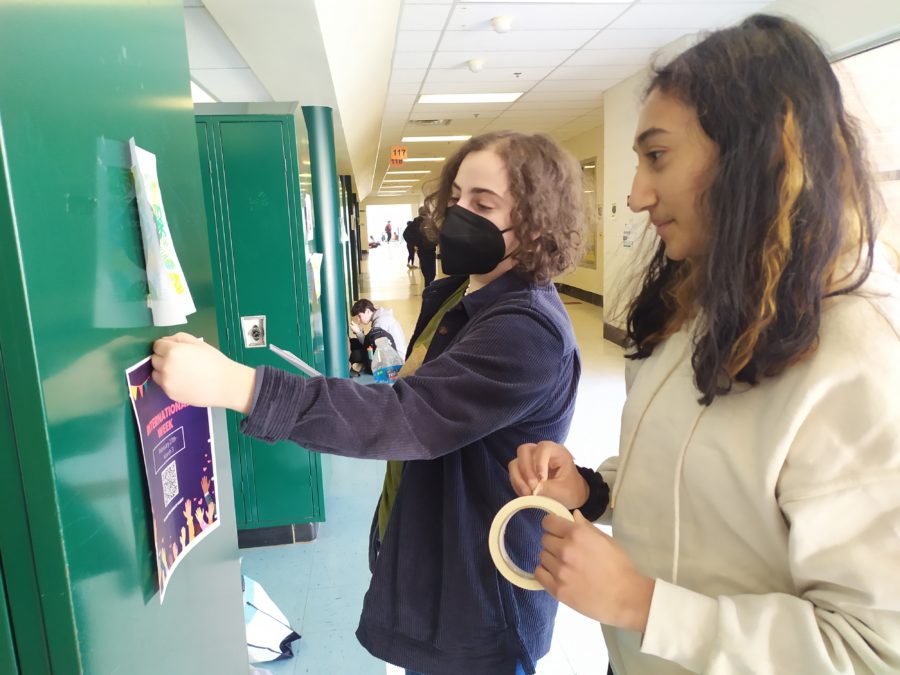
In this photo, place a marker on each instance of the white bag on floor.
(269, 635)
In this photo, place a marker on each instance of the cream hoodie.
(770, 519)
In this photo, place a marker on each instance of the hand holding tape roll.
(497, 546)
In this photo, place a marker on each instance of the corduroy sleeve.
(479, 385)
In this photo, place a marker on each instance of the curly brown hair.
(549, 211)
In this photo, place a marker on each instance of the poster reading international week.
(179, 457)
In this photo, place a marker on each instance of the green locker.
(77, 561)
(261, 238)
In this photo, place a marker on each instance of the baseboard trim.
(280, 534)
(614, 334)
(581, 294)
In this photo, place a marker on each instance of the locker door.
(266, 261)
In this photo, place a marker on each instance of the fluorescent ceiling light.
(424, 159)
(200, 95)
(508, 97)
(305, 175)
(589, 166)
(432, 139)
(391, 173)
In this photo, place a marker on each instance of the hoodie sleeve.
(476, 387)
(839, 493)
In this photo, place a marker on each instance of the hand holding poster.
(179, 458)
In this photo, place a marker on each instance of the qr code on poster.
(169, 478)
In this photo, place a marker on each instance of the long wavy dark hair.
(549, 213)
(791, 198)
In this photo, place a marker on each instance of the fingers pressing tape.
(496, 537)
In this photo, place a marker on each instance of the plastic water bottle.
(387, 362)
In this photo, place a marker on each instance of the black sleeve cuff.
(277, 400)
(598, 494)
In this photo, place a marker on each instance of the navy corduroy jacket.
(502, 370)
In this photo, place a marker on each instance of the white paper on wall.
(170, 298)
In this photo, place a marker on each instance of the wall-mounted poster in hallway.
(180, 461)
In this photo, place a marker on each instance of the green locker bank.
(258, 194)
(77, 566)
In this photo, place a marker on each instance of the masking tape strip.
(496, 537)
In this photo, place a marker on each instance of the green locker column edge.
(218, 250)
(320, 126)
(20, 571)
(7, 650)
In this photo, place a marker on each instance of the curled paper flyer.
(170, 298)
(180, 463)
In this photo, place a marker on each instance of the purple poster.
(180, 460)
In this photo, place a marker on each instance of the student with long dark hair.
(755, 500)
(510, 218)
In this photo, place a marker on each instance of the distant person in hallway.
(381, 323)
(755, 503)
(387, 232)
(509, 209)
(411, 237)
(426, 244)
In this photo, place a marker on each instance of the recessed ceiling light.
(431, 139)
(424, 159)
(470, 98)
(391, 173)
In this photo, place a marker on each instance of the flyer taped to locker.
(180, 461)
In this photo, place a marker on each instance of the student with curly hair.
(755, 502)
(510, 216)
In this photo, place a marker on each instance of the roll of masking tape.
(497, 546)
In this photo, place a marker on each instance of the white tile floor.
(320, 585)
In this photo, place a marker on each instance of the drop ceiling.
(560, 55)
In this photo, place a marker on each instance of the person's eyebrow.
(480, 190)
(646, 135)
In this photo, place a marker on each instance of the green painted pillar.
(328, 238)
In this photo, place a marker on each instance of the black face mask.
(470, 244)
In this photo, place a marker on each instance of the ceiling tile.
(417, 40)
(645, 38)
(574, 85)
(687, 15)
(611, 57)
(523, 40)
(510, 59)
(456, 110)
(592, 72)
(555, 2)
(423, 17)
(560, 96)
(477, 87)
(487, 75)
(404, 88)
(399, 101)
(408, 75)
(403, 60)
(536, 16)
